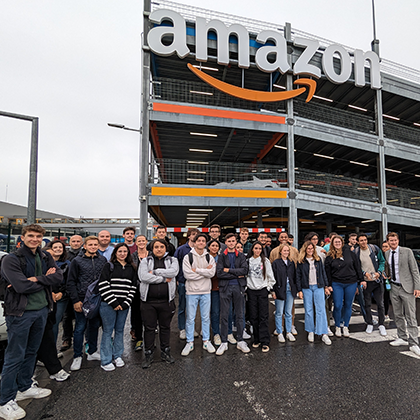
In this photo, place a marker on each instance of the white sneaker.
(399, 342)
(275, 332)
(382, 330)
(33, 392)
(243, 347)
(326, 339)
(280, 338)
(77, 363)
(231, 339)
(60, 355)
(375, 321)
(11, 411)
(60, 376)
(119, 362)
(208, 346)
(337, 331)
(245, 335)
(182, 335)
(195, 333)
(387, 318)
(415, 349)
(294, 330)
(346, 332)
(369, 329)
(94, 356)
(311, 337)
(330, 333)
(222, 348)
(217, 340)
(290, 336)
(108, 368)
(187, 349)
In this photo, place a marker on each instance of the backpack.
(93, 299)
(22, 261)
(191, 258)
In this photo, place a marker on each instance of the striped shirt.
(117, 286)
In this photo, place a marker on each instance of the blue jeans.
(343, 291)
(192, 302)
(79, 330)
(181, 306)
(315, 296)
(112, 320)
(24, 338)
(61, 308)
(286, 307)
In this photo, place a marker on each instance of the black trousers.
(47, 352)
(152, 313)
(136, 318)
(68, 322)
(387, 300)
(258, 314)
(377, 289)
(234, 294)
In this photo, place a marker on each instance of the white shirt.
(396, 261)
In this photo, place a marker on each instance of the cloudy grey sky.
(76, 65)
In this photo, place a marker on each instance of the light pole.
(33, 166)
(143, 178)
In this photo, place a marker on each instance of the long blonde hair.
(281, 246)
(302, 252)
(334, 252)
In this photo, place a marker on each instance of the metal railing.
(259, 176)
(256, 26)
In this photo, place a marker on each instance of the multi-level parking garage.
(347, 160)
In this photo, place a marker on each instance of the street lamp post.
(33, 167)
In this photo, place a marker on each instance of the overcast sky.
(76, 65)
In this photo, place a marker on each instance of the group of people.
(231, 282)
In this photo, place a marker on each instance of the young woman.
(312, 286)
(343, 272)
(284, 291)
(213, 246)
(260, 280)
(136, 320)
(157, 273)
(117, 286)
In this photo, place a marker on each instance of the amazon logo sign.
(271, 43)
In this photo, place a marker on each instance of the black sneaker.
(148, 359)
(165, 355)
(66, 345)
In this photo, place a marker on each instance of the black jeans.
(68, 322)
(152, 313)
(377, 289)
(47, 352)
(258, 314)
(136, 319)
(228, 294)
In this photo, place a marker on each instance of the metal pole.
(33, 168)
(33, 174)
(293, 214)
(144, 130)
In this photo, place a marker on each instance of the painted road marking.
(249, 391)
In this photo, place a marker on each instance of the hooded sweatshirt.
(198, 282)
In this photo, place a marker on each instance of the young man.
(215, 232)
(76, 243)
(284, 239)
(353, 241)
(105, 249)
(291, 239)
(129, 235)
(29, 275)
(198, 267)
(262, 237)
(84, 270)
(231, 269)
(405, 288)
(180, 280)
(244, 239)
(373, 265)
(160, 233)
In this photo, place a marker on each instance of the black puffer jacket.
(83, 271)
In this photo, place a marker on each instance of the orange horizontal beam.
(218, 113)
(216, 192)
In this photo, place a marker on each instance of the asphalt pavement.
(361, 377)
